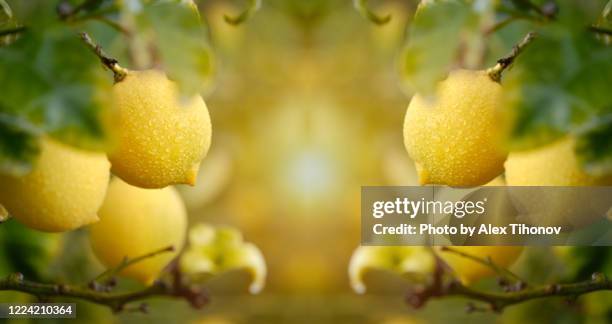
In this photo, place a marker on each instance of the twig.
(443, 285)
(176, 287)
(362, 7)
(11, 31)
(486, 262)
(128, 262)
(252, 7)
(111, 63)
(499, 301)
(115, 301)
(504, 62)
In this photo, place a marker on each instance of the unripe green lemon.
(161, 137)
(552, 165)
(470, 271)
(136, 221)
(63, 191)
(455, 137)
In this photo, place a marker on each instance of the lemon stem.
(495, 73)
(111, 63)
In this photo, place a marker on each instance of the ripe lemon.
(470, 271)
(552, 165)
(136, 221)
(161, 137)
(63, 191)
(555, 165)
(455, 137)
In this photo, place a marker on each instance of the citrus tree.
(513, 92)
(71, 115)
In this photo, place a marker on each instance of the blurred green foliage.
(27, 251)
(434, 39)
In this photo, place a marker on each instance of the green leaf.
(6, 14)
(560, 85)
(50, 79)
(18, 145)
(594, 147)
(434, 39)
(181, 42)
(27, 251)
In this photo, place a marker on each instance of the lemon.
(552, 165)
(63, 191)
(470, 271)
(161, 136)
(136, 221)
(555, 165)
(455, 137)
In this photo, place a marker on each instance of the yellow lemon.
(63, 191)
(455, 137)
(470, 271)
(552, 165)
(136, 221)
(161, 136)
(555, 165)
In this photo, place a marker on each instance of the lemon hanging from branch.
(456, 137)
(136, 221)
(161, 136)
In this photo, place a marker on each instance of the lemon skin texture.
(134, 222)
(161, 136)
(552, 165)
(63, 191)
(470, 271)
(455, 136)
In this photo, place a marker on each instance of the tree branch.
(499, 301)
(176, 287)
(504, 62)
(443, 285)
(111, 63)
